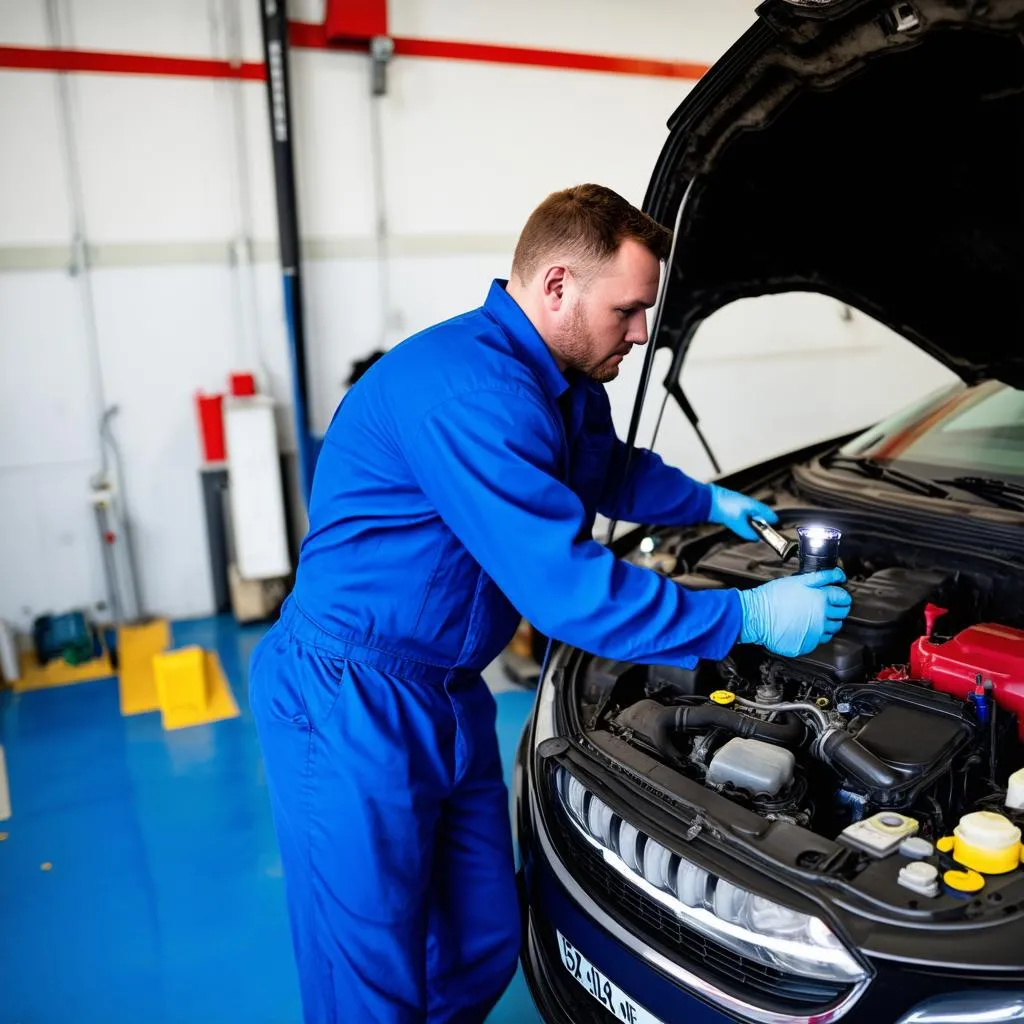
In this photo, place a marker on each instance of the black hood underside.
(872, 152)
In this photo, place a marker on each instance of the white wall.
(175, 174)
(771, 374)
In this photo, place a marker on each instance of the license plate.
(603, 989)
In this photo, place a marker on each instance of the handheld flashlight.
(818, 548)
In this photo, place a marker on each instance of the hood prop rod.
(675, 389)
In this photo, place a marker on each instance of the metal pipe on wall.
(226, 33)
(79, 266)
(113, 522)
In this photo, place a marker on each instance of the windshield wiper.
(998, 492)
(877, 471)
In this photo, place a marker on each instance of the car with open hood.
(835, 836)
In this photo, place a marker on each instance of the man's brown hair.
(584, 225)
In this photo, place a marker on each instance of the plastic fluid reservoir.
(752, 765)
(1015, 791)
(987, 842)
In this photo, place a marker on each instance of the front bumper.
(556, 902)
(560, 999)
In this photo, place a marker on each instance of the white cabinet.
(260, 536)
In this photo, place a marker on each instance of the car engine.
(916, 707)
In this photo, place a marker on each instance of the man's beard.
(574, 346)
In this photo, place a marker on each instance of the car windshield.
(958, 431)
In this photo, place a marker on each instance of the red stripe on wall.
(309, 35)
(34, 59)
(567, 59)
(306, 35)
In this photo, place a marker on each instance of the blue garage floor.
(164, 900)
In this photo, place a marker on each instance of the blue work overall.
(456, 490)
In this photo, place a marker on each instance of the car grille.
(741, 977)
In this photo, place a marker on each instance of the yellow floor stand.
(191, 687)
(59, 673)
(187, 686)
(136, 648)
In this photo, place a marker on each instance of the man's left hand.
(735, 510)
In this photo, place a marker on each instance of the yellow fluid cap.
(723, 697)
(945, 844)
(964, 881)
(988, 842)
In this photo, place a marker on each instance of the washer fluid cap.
(987, 842)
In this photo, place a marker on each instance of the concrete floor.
(139, 875)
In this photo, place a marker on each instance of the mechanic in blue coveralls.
(455, 492)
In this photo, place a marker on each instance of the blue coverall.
(455, 491)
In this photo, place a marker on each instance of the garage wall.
(169, 180)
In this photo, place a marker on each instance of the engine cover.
(887, 605)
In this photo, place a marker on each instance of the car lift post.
(274, 19)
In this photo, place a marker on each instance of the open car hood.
(872, 151)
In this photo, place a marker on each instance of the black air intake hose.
(714, 716)
(840, 750)
(659, 725)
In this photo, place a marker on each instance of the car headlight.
(748, 924)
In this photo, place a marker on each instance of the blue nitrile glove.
(732, 509)
(792, 615)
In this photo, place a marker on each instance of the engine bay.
(904, 733)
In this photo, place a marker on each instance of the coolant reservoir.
(752, 765)
(987, 842)
(992, 651)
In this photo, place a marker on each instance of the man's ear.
(553, 287)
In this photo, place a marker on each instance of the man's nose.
(637, 333)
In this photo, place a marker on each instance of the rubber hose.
(714, 716)
(650, 721)
(840, 750)
(660, 725)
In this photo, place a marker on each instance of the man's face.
(606, 317)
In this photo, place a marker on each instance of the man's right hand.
(792, 615)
